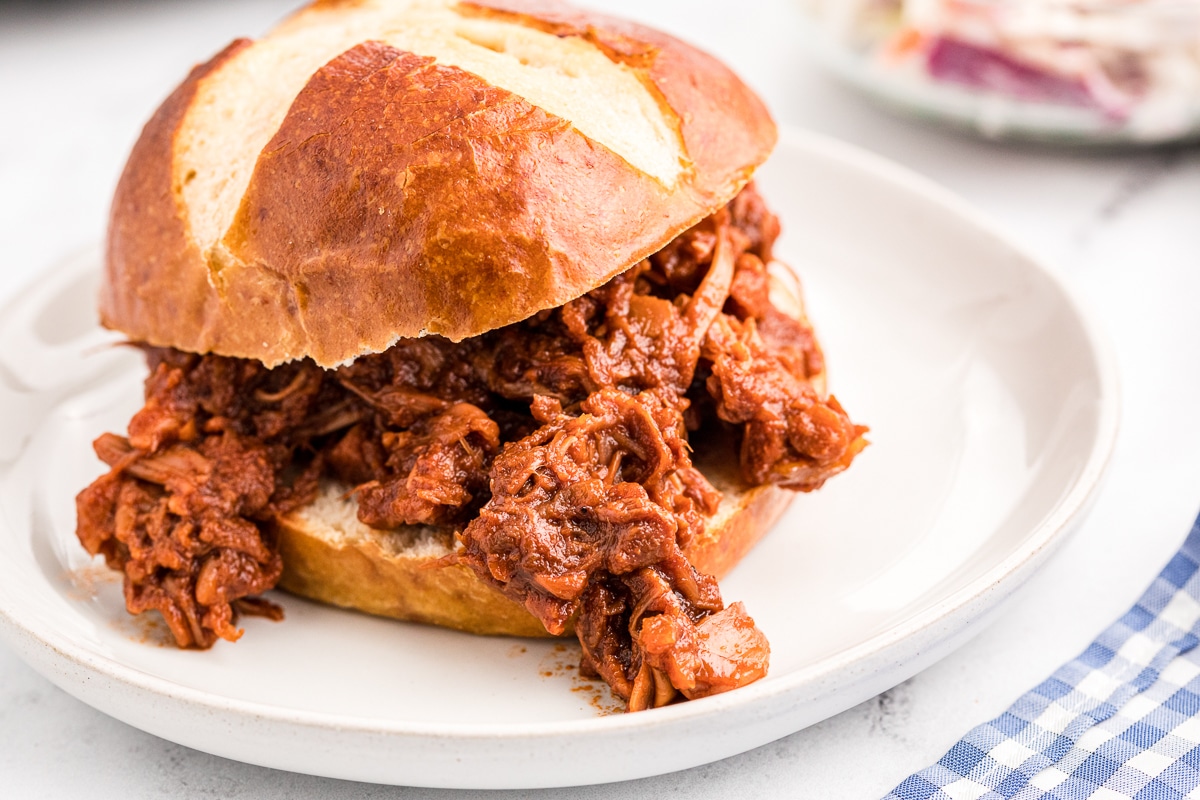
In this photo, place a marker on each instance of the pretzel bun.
(379, 169)
(330, 556)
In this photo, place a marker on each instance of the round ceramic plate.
(992, 406)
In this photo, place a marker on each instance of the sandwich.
(463, 313)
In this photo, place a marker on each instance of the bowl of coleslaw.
(1075, 71)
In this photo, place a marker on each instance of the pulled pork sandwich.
(460, 313)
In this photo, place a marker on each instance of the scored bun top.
(380, 169)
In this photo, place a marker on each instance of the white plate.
(993, 411)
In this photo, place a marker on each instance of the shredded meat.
(206, 460)
(608, 490)
(437, 467)
(557, 447)
(791, 436)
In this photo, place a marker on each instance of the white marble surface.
(78, 79)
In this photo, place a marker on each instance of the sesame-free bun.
(330, 556)
(378, 169)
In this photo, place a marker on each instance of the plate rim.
(1009, 571)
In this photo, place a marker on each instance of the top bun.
(379, 169)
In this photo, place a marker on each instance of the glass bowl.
(1074, 71)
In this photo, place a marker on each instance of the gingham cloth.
(1120, 721)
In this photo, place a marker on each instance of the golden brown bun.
(378, 169)
(330, 556)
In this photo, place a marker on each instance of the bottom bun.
(330, 556)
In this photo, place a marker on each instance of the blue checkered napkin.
(1120, 721)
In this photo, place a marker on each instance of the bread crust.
(151, 278)
(459, 210)
(398, 574)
